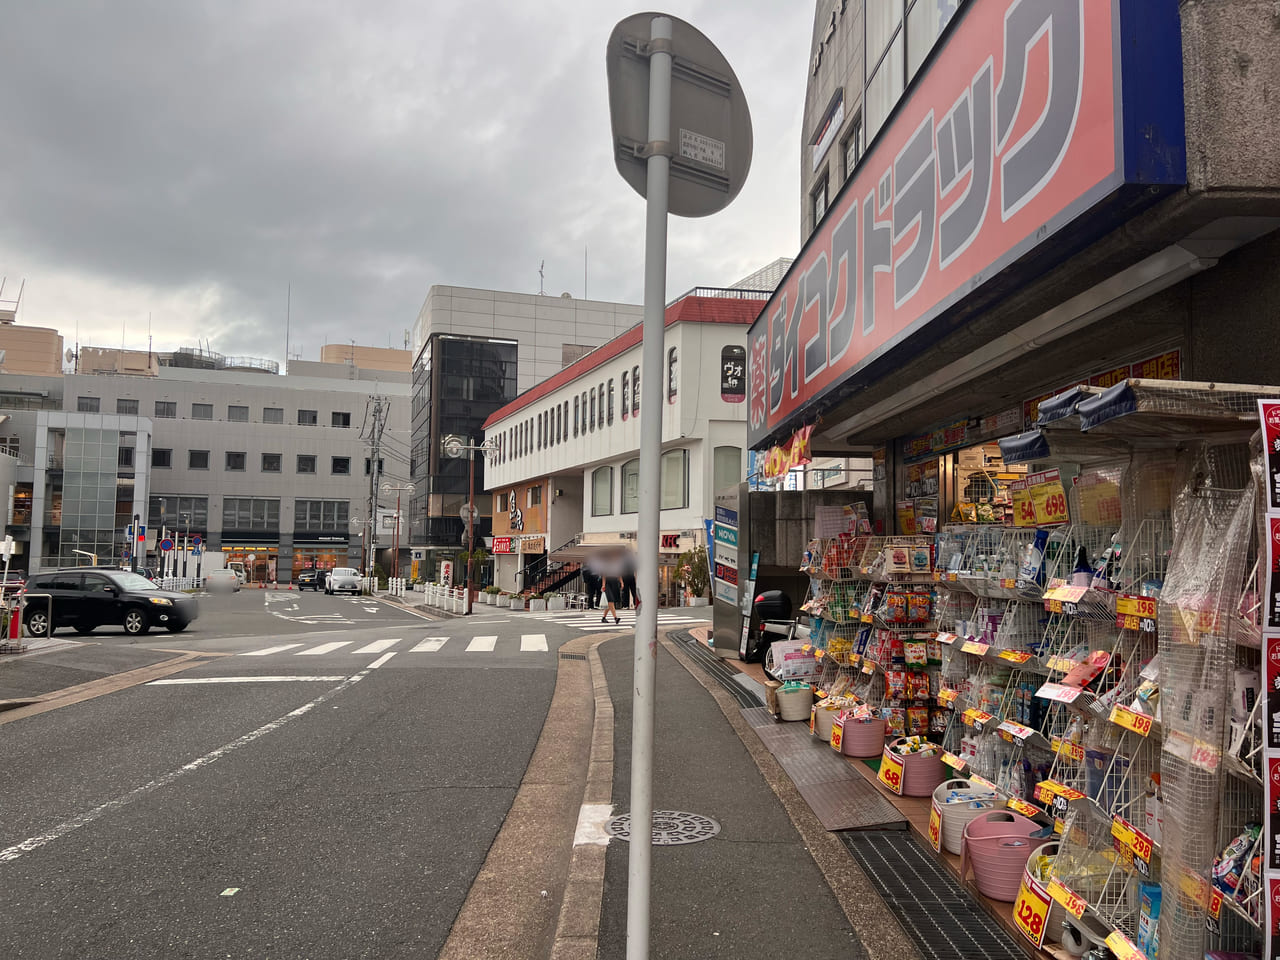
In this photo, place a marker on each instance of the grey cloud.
(361, 152)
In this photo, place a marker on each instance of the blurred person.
(592, 581)
(630, 593)
(611, 569)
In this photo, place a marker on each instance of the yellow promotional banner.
(1039, 500)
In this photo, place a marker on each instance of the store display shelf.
(1086, 603)
(1240, 771)
(1239, 909)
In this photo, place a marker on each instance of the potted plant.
(537, 603)
(491, 595)
(517, 601)
(693, 572)
(555, 601)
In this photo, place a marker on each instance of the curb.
(881, 934)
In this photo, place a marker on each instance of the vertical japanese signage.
(1031, 119)
(733, 374)
(725, 555)
(1269, 415)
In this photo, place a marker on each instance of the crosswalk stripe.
(378, 646)
(429, 645)
(482, 645)
(323, 648)
(533, 642)
(271, 650)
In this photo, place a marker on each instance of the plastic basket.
(956, 814)
(997, 845)
(824, 717)
(863, 739)
(1056, 912)
(921, 772)
(795, 704)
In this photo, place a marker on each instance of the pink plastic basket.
(863, 739)
(998, 844)
(921, 772)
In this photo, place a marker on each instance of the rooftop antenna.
(585, 251)
(288, 307)
(541, 277)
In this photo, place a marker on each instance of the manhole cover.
(670, 827)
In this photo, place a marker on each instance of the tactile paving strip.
(759, 717)
(820, 765)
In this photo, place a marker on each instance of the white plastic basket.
(787, 660)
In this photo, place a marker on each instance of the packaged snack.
(915, 653)
(933, 650)
(895, 607)
(939, 719)
(917, 607)
(917, 686)
(895, 720)
(895, 685)
(918, 720)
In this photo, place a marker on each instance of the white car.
(343, 580)
(222, 581)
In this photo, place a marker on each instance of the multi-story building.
(476, 350)
(566, 473)
(274, 471)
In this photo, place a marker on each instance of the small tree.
(692, 571)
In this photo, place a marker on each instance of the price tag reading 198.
(1071, 901)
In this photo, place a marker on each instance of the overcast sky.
(189, 160)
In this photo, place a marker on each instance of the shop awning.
(1025, 447)
(1172, 408)
(1064, 404)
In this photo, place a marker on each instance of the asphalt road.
(326, 784)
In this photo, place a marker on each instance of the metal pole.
(133, 547)
(651, 366)
(471, 509)
(396, 539)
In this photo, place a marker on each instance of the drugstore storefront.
(1026, 317)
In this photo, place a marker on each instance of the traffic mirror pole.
(651, 371)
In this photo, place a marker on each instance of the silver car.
(343, 580)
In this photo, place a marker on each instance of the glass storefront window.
(884, 88)
(674, 469)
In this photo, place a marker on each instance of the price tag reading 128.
(1031, 911)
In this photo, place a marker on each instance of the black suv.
(88, 597)
(310, 578)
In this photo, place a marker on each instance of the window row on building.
(236, 413)
(593, 410)
(237, 461)
(248, 513)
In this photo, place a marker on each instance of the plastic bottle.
(1033, 559)
(1082, 574)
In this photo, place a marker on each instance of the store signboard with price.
(1039, 500)
(1136, 613)
(935, 826)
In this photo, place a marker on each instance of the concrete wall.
(367, 358)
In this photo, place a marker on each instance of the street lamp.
(364, 560)
(186, 541)
(453, 447)
(410, 489)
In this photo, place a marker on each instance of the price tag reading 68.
(891, 771)
(935, 826)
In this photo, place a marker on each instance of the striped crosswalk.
(590, 620)
(522, 643)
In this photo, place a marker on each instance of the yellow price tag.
(1031, 911)
(891, 768)
(837, 734)
(1071, 901)
(1139, 723)
(935, 825)
(1123, 949)
(1014, 656)
(951, 760)
(1018, 805)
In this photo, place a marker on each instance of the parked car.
(11, 584)
(222, 581)
(309, 578)
(237, 567)
(89, 597)
(342, 580)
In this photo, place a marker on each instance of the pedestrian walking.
(592, 581)
(611, 570)
(631, 596)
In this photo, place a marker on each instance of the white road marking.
(378, 646)
(270, 650)
(177, 680)
(533, 642)
(370, 609)
(591, 820)
(229, 892)
(430, 645)
(380, 661)
(482, 645)
(75, 823)
(323, 648)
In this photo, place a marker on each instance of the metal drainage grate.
(573, 656)
(670, 827)
(936, 912)
(722, 674)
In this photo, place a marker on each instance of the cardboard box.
(771, 696)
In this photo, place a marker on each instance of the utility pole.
(375, 422)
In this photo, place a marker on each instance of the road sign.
(166, 544)
(710, 136)
(196, 541)
(468, 511)
(142, 532)
(196, 551)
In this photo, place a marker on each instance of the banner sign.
(726, 516)
(502, 545)
(1039, 499)
(733, 374)
(794, 453)
(726, 535)
(1027, 130)
(726, 592)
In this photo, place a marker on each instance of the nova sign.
(1031, 120)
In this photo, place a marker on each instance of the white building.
(567, 470)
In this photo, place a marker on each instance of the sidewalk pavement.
(753, 891)
(54, 665)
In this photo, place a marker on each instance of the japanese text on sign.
(1039, 500)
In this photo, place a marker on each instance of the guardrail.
(179, 584)
(452, 599)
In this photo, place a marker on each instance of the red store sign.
(502, 545)
(1023, 122)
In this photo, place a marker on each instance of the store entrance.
(966, 486)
